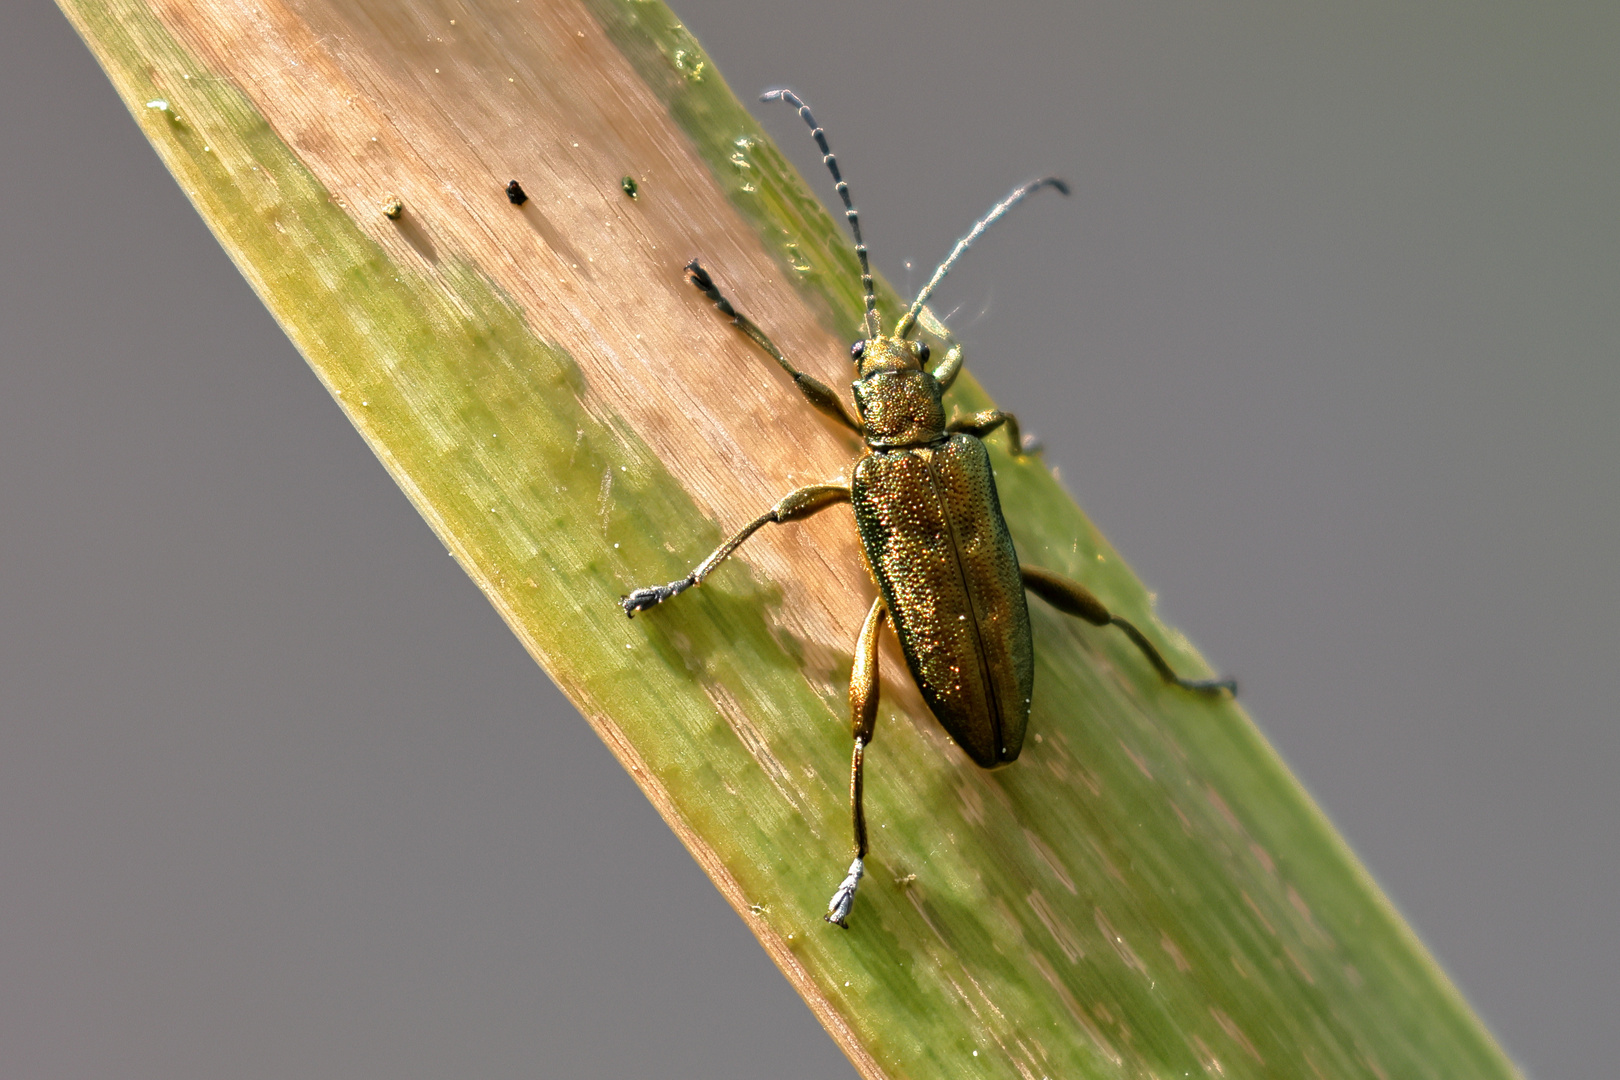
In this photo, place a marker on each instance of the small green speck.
(629, 185)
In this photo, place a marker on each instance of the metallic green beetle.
(931, 529)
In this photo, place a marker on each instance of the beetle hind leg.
(863, 703)
(1072, 598)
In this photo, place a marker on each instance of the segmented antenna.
(1018, 195)
(873, 329)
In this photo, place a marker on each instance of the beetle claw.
(843, 898)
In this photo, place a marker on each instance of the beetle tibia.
(843, 899)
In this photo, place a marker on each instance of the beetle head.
(885, 353)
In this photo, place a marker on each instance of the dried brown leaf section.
(383, 99)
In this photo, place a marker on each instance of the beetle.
(931, 530)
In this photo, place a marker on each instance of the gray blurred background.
(1326, 342)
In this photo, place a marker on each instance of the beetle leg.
(981, 424)
(1072, 598)
(863, 703)
(799, 503)
(814, 390)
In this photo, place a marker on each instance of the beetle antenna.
(1017, 196)
(873, 329)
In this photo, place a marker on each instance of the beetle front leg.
(950, 367)
(983, 423)
(796, 504)
(1072, 598)
(863, 703)
(814, 390)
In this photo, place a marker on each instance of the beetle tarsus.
(1209, 686)
(705, 284)
(652, 596)
(843, 898)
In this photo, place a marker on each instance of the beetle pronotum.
(931, 530)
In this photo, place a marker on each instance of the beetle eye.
(922, 352)
(857, 349)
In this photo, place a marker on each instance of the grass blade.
(1148, 892)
